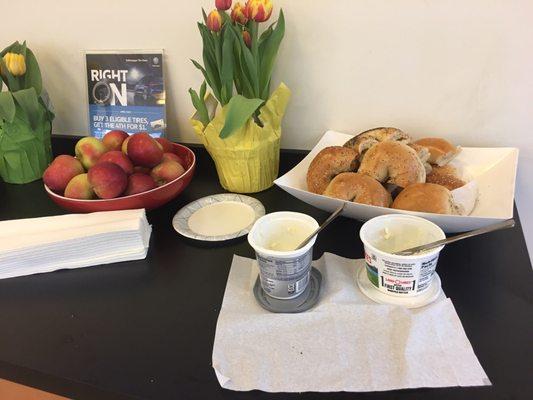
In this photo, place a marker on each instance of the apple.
(138, 183)
(108, 180)
(165, 144)
(117, 157)
(113, 140)
(88, 151)
(61, 171)
(167, 171)
(124, 146)
(143, 150)
(79, 188)
(143, 170)
(173, 157)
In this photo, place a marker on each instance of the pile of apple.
(119, 165)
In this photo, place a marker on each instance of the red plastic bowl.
(151, 199)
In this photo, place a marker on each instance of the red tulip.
(223, 4)
(214, 21)
(259, 10)
(247, 38)
(238, 14)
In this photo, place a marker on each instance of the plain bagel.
(441, 151)
(393, 162)
(359, 188)
(426, 197)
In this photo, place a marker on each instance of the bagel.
(367, 139)
(393, 162)
(422, 153)
(441, 151)
(328, 163)
(426, 197)
(359, 188)
(445, 176)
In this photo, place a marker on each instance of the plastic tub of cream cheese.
(283, 271)
(394, 274)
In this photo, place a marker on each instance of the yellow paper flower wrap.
(248, 160)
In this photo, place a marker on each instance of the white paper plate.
(493, 171)
(180, 222)
(432, 293)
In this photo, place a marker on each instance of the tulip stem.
(254, 28)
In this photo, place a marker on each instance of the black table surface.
(145, 329)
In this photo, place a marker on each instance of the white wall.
(460, 69)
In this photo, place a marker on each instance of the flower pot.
(248, 160)
(25, 150)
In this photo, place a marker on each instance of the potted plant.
(240, 122)
(25, 117)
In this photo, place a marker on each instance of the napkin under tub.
(345, 343)
(35, 245)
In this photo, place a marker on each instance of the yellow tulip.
(259, 10)
(15, 63)
(238, 14)
(214, 21)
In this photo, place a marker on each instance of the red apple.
(61, 171)
(165, 144)
(79, 188)
(138, 183)
(88, 151)
(167, 171)
(108, 180)
(143, 150)
(117, 157)
(173, 157)
(124, 146)
(113, 140)
(143, 170)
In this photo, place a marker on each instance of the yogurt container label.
(284, 278)
(284, 268)
(398, 277)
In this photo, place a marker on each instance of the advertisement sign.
(126, 92)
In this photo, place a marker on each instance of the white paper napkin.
(36, 245)
(345, 343)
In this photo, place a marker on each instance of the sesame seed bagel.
(328, 163)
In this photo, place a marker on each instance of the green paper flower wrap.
(25, 117)
(25, 152)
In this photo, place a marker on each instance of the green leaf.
(242, 82)
(27, 100)
(32, 77)
(209, 77)
(203, 89)
(204, 15)
(209, 58)
(7, 106)
(14, 47)
(226, 72)
(265, 36)
(248, 65)
(239, 110)
(199, 104)
(23, 49)
(268, 55)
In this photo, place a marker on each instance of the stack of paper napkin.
(35, 245)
